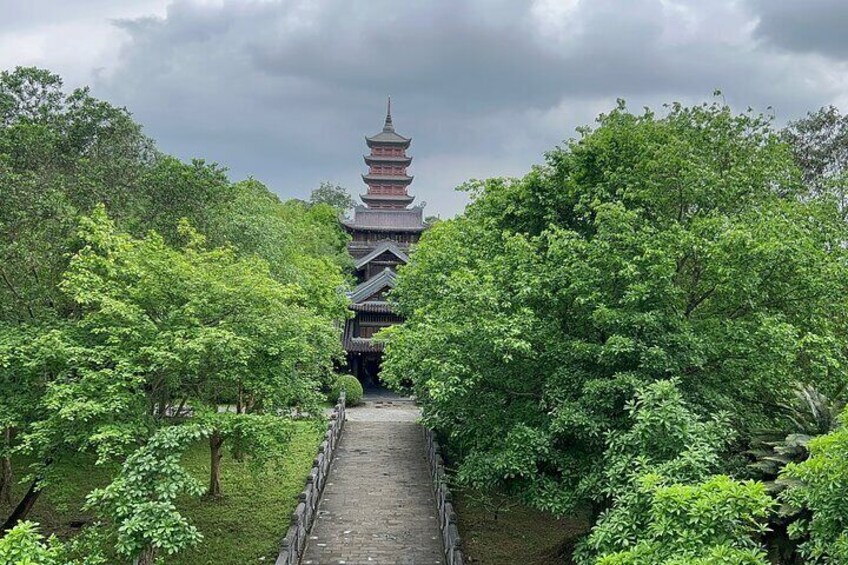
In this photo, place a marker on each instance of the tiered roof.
(386, 178)
(382, 247)
(386, 211)
(395, 220)
(367, 289)
(388, 136)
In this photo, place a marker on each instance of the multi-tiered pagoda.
(382, 232)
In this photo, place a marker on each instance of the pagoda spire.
(388, 125)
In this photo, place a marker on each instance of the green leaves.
(141, 500)
(140, 293)
(650, 248)
(819, 484)
(714, 522)
(23, 545)
(666, 503)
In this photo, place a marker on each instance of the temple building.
(382, 231)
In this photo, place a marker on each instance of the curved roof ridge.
(386, 278)
(383, 246)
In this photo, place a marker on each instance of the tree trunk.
(215, 441)
(146, 557)
(24, 507)
(6, 470)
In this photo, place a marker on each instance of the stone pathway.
(378, 506)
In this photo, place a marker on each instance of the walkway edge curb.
(294, 542)
(444, 500)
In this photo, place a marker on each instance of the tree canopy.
(146, 303)
(681, 245)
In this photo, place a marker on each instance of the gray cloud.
(811, 26)
(285, 90)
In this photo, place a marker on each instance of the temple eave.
(407, 198)
(353, 228)
(373, 142)
(387, 160)
(405, 179)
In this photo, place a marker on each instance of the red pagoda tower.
(382, 232)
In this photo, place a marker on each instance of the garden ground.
(492, 537)
(243, 526)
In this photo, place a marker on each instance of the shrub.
(352, 388)
(710, 523)
(667, 505)
(819, 484)
(23, 544)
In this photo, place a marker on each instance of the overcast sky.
(285, 90)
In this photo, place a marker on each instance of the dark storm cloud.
(285, 90)
(809, 26)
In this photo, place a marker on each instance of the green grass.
(243, 526)
(251, 518)
(516, 533)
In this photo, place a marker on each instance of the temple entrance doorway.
(366, 368)
(370, 377)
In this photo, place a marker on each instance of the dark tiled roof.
(374, 307)
(389, 137)
(382, 247)
(394, 198)
(358, 344)
(386, 278)
(406, 160)
(362, 345)
(405, 179)
(386, 220)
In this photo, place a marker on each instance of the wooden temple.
(382, 230)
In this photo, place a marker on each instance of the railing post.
(303, 517)
(444, 500)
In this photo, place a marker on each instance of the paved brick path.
(378, 506)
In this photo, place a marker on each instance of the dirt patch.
(503, 532)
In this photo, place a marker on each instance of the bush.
(23, 544)
(667, 504)
(717, 521)
(352, 388)
(818, 484)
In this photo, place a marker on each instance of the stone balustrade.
(444, 500)
(303, 516)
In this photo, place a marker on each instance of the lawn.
(244, 526)
(516, 533)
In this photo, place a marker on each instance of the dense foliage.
(821, 482)
(682, 246)
(666, 502)
(352, 388)
(819, 143)
(145, 303)
(24, 545)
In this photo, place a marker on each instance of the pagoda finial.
(388, 125)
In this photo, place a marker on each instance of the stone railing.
(444, 500)
(303, 516)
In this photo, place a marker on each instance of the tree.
(192, 326)
(23, 387)
(334, 195)
(23, 545)
(819, 144)
(118, 320)
(173, 190)
(680, 246)
(302, 244)
(140, 502)
(715, 522)
(816, 484)
(60, 155)
(666, 504)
